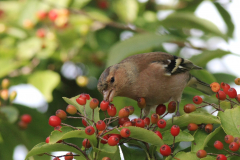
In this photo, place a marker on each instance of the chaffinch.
(156, 76)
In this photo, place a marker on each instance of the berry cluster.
(234, 144)
(5, 99)
(101, 128)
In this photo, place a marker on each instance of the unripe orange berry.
(141, 102)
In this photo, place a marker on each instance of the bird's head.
(107, 83)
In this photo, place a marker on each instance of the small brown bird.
(156, 76)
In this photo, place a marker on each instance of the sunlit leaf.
(10, 112)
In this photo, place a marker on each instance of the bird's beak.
(108, 95)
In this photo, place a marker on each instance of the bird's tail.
(200, 85)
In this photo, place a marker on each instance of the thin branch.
(64, 124)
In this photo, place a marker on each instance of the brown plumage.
(156, 76)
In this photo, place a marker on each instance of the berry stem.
(105, 114)
(214, 111)
(173, 142)
(93, 115)
(232, 153)
(75, 146)
(164, 115)
(103, 132)
(231, 101)
(217, 107)
(64, 124)
(50, 155)
(83, 117)
(141, 114)
(237, 100)
(213, 154)
(201, 106)
(127, 140)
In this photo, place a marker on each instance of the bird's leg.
(177, 113)
(145, 111)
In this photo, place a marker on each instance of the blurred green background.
(52, 49)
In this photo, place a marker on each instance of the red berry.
(221, 157)
(56, 158)
(125, 132)
(161, 123)
(146, 121)
(165, 150)
(141, 102)
(41, 33)
(106, 158)
(85, 95)
(175, 130)
(201, 153)
(209, 128)
(89, 130)
(61, 114)
(111, 110)
(134, 121)
(113, 140)
(71, 109)
(172, 106)
(86, 143)
(192, 127)
(228, 138)
(84, 122)
(121, 121)
(81, 100)
(131, 109)
(124, 112)
(238, 97)
(103, 4)
(218, 145)
(69, 156)
(100, 125)
(221, 95)
(160, 110)
(234, 146)
(104, 105)
(232, 93)
(58, 128)
(127, 124)
(26, 118)
(159, 134)
(236, 139)
(188, 108)
(225, 87)
(197, 100)
(22, 125)
(52, 15)
(94, 103)
(140, 123)
(106, 138)
(41, 15)
(154, 118)
(54, 121)
(47, 140)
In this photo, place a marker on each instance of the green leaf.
(209, 158)
(114, 156)
(223, 77)
(106, 148)
(194, 117)
(68, 132)
(204, 76)
(146, 135)
(79, 4)
(46, 81)
(10, 112)
(201, 138)
(189, 20)
(183, 136)
(184, 155)
(225, 105)
(80, 108)
(230, 121)
(48, 148)
(99, 16)
(226, 17)
(134, 45)
(132, 152)
(126, 10)
(203, 58)
(8, 65)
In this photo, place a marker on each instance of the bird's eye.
(112, 79)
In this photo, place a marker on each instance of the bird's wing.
(170, 63)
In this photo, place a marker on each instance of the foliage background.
(98, 34)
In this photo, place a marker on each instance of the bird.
(156, 76)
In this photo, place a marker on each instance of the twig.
(93, 115)
(75, 146)
(201, 106)
(64, 124)
(173, 142)
(127, 140)
(141, 114)
(164, 115)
